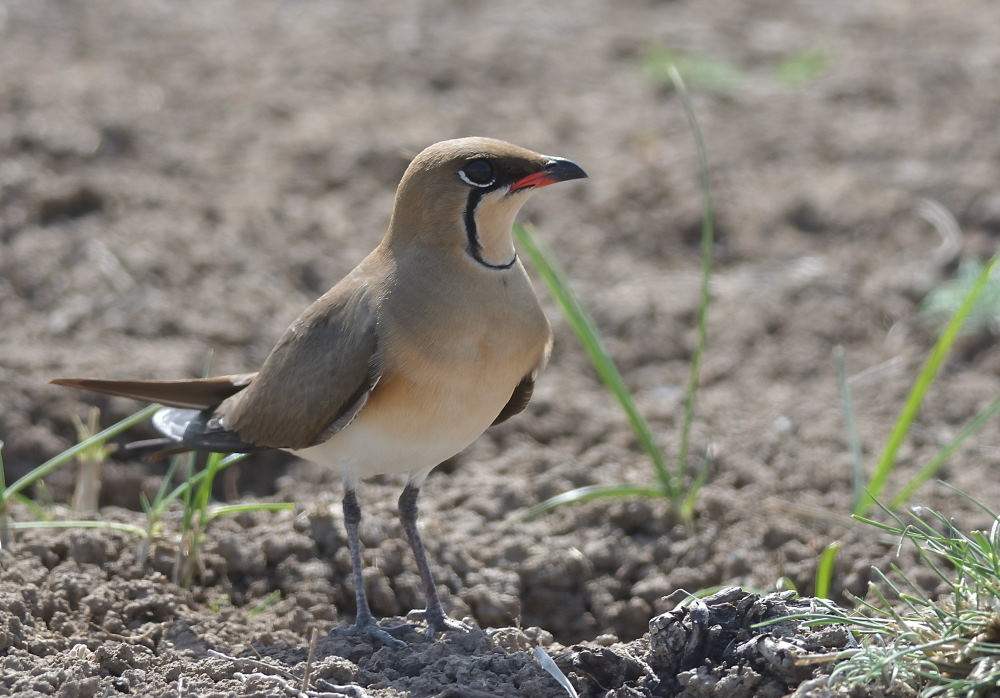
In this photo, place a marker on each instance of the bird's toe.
(372, 631)
(437, 623)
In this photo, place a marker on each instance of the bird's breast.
(449, 368)
(457, 379)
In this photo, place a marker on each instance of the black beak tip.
(562, 170)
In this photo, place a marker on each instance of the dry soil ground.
(183, 177)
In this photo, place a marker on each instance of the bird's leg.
(352, 521)
(364, 623)
(434, 613)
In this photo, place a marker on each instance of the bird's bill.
(555, 170)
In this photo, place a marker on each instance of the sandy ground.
(182, 178)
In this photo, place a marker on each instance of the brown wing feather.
(197, 394)
(317, 376)
(519, 399)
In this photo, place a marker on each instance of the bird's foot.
(373, 631)
(437, 622)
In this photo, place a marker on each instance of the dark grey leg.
(352, 522)
(437, 620)
(364, 623)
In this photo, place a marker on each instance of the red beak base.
(555, 170)
(536, 179)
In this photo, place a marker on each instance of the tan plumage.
(433, 337)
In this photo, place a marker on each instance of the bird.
(430, 340)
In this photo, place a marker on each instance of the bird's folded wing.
(317, 377)
(519, 399)
(523, 391)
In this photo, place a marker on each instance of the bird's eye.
(478, 173)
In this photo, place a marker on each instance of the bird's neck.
(491, 238)
(488, 222)
(480, 225)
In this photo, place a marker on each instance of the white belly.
(368, 448)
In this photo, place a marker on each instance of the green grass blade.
(690, 498)
(102, 525)
(264, 604)
(585, 494)
(227, 509)
(204, 494)
(935, 464)
(188, 492)
(195, 518)
(185, 487)
(824, 570)
(707, 245)
(802, 68)
(853, 442)
(197, 513)
(36, 509)
(704, 72)
(670, 484)
(589, 337)
(154, 508)
(70, 453)
(927, 374)
(941, 302)
(4, 503)
(785, 584)
(979, 505)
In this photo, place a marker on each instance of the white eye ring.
(465, 178)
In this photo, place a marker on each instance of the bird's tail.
(196, 393)
(187, 423)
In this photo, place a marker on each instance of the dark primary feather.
(199, 431)
(518, 400)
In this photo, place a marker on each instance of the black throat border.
(475, 248)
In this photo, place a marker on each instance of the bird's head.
(463, 194)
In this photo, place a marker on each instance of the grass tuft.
(704, 72)
(585, 494)
(800, 69)
(721, 77)
(4, 503)
(586, 331)
(193, 492)
(681, 489)
(265, 604)
(91, 463)
(72, 452)
(948, 647)
(825, 569)
(984, 315)
(853, 440)
(930, 369)
(705, 290)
